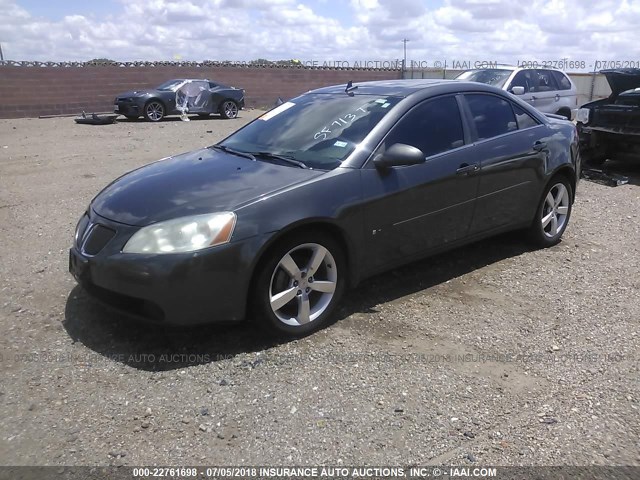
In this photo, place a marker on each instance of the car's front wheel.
(553, 213)
(154, 111)
(299, 285)
(229, 109)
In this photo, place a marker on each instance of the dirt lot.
(493, 354)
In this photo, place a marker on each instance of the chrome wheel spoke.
(547, 219)
(554, 225)
(560, 194)
(304, 309)
(279, 300)
(318, 256)
(323, 286)
(563, 210)
(551, 201)
(289, 265)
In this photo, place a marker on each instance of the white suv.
(547, 89)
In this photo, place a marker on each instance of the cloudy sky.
(324, 30)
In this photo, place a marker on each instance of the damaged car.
(276, 221)
(610, 128)
(181, 97)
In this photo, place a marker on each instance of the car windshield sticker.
(277, 111)
(381, 100)
(340, 144)
(385, 105)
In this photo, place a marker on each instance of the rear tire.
(553, 213)
(229, 109)
(299, 285)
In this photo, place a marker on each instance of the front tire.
(229, 109)
(154, 111)
(299, 285)
(552, 216)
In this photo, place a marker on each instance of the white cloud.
(501, 30)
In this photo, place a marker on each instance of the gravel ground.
(493, 354)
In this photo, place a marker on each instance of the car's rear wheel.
(554, 211)
(154, 111)
(565, 112)
(229, 109)
(299, 285)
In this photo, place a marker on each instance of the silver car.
(547, 89)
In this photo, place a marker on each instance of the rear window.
(561, 79)
(496, 77)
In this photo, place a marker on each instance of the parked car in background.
(193, 96)
(277, 220)
(547, 89)
(610, 128)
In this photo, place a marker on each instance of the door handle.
(466, 168)
(539, 146)
(557, 97)
(533, 97)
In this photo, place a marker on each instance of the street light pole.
(404, 62)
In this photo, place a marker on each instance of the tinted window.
(434, 126)
(524, 119)
(562, 80)
(522, 79)
(545, 81)
(492, 115)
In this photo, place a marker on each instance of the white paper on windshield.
(340, 144)
(277, 111)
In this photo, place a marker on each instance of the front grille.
(96, 239)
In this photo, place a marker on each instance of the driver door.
(411, 210)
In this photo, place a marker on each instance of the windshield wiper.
(234, 152)
(283, 158)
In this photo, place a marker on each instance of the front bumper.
(178, 289)
(130, 108)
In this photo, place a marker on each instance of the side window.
(522, 79)
(212, 85)
(434, 126)
(562, 80)
(545, 81)
(492, 115)
(524, 119)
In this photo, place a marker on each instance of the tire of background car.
(229, 109)
(565, 112)
(553, 213)
(132, 117)
(154, 110)
(298, 286)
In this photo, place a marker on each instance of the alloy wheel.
(303, 284)
(555, 210)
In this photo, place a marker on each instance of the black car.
(277, 220)
(181, 96)
(610, 128)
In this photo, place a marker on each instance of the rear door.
(413, 209)
(511, 159)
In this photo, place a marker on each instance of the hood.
(622, 80)
(193, 183)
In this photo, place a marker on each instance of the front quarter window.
(321, 130)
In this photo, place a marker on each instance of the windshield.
(170, 85)
(496, 77)
(320, 130)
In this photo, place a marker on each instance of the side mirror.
(399, 154)
(517, 90)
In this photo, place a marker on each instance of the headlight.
(582, 115)
(185, 234)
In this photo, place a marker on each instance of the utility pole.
(404, 62)
(1, 54)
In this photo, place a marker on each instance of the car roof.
(404, 88)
